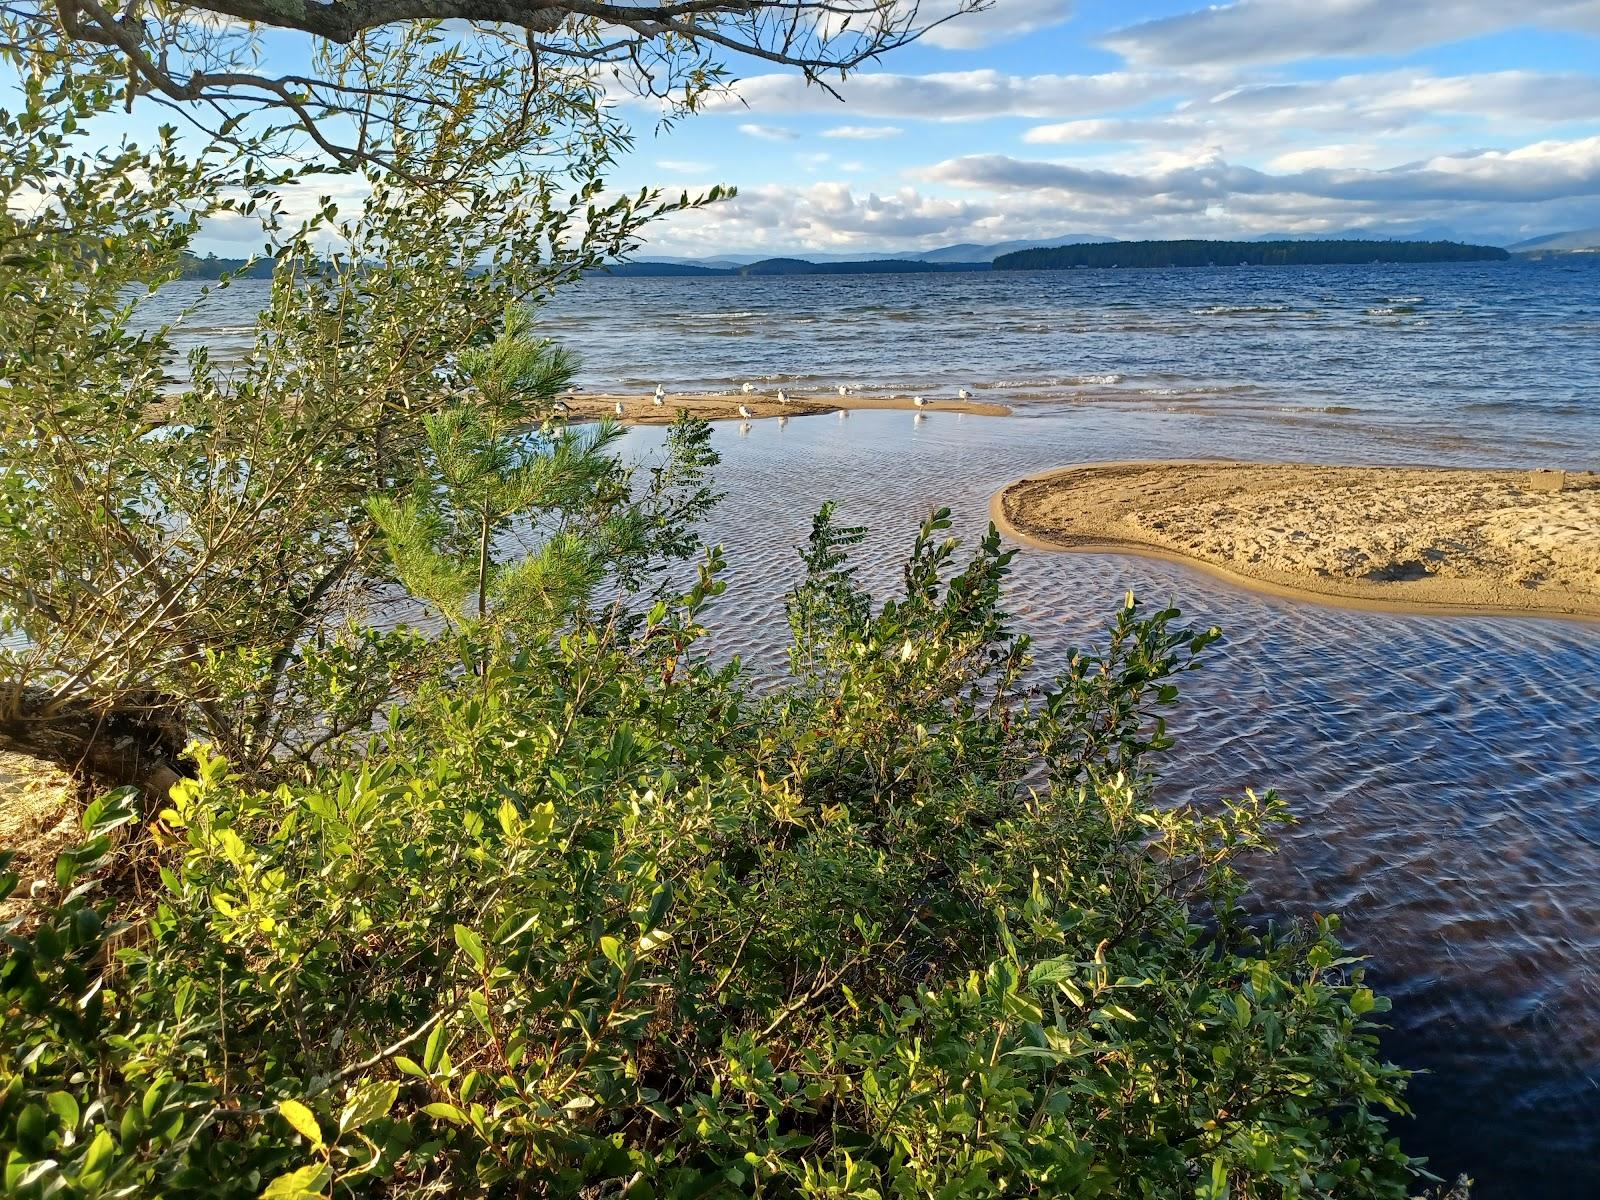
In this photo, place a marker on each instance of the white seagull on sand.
(783, 396)
(617, 408)
(562, 407)
(745, 412)
(749, 389)
(659, 398)
(963, 394)
(843, 390)
(919, 401)
(661, 393)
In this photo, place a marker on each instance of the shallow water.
(1446, 770)
(1426, 354)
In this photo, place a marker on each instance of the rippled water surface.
(1446, 771)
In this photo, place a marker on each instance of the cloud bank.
(1273, 31)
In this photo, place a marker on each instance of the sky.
(1039, 119)
(1043, 118)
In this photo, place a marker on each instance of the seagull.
(661, 393)
(843, 391)
(563, 407)
(963, 394)
(783, 396)
(749, 389)
(745, 412)
(919, 402)
(618, 408)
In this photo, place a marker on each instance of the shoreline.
(638, 408)
(1032, 511)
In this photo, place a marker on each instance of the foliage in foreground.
(611, 923)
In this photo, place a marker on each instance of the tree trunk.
(137, 743)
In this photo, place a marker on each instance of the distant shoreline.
(1093, 255)
(1445, 541)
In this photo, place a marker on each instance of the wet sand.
(638, 408)
(1410, 539)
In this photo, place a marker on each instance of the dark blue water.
(1446, 771)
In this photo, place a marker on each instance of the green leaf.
(300, 1184)
(65, 1106)
(434, 1050)
(446, 1112)
(472, 944)
(303, 1120)
(1218, 1186)
(98, 1158)
(371, 1101)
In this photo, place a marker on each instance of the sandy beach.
(639, 409)
(1418, 539)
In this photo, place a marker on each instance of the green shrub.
(615, 923)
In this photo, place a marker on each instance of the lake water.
(1446, 771)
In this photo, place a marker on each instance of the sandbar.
(638, 408)
(1409, 539)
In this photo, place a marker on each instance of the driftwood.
(138, 742)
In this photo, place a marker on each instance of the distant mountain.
(1420, 233)
(973, 252)
(1576, 239)
(875, 266)
(786, 266)
(662, 269)
(1227, 254)
(962, 252)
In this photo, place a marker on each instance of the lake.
(1446, 771)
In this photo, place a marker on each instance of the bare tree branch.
(204, 56)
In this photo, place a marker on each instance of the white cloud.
(824, 216)
(1542, 171)
(1003, 20)
(962, 95)
(1117, 129)
(1392, 98)
(768, 133)
(1349, 154)
(1261, 31)
(833, 216)
(863, 133)
(679, 166)
(1386, 115)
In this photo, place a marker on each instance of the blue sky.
(1042, 118)
(1048, 117)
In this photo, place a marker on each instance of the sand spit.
(1415, 539)
(638, 409)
